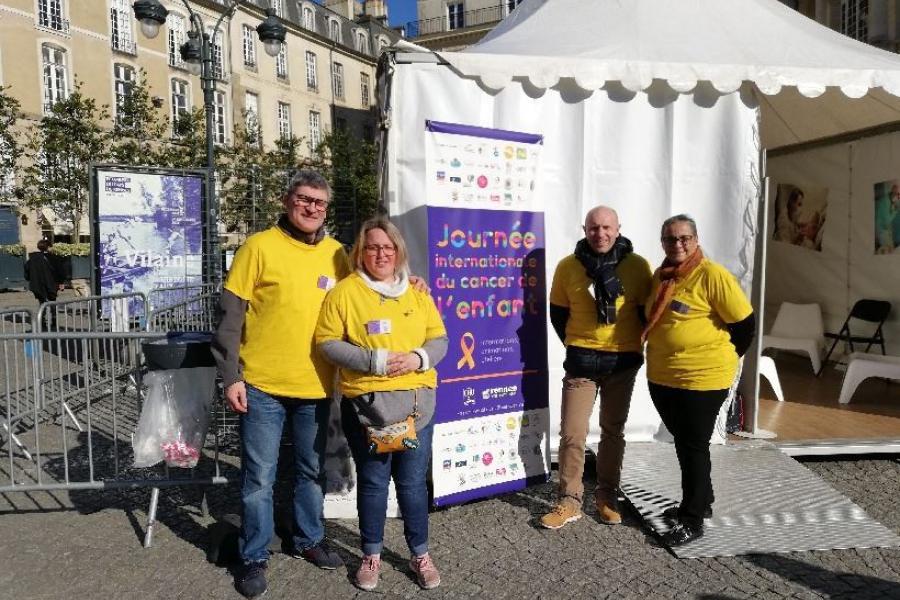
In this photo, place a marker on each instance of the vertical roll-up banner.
(487, 273)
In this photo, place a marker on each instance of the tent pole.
(750, 385)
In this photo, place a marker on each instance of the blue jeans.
(373, 474)
(261, 428)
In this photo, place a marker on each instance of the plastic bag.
(174, 418)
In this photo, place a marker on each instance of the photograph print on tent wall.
(800, 215)
(887, 216)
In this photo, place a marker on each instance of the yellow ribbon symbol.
(467, 349)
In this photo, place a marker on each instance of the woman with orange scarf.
(698, 323)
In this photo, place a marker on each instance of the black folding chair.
(871, 311)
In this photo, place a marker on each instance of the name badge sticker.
(378, 326)
(325, 283)
(680, 307)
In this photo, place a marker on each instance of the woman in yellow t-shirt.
(699, 323)
(386, 337)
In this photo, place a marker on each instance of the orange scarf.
(669, 275)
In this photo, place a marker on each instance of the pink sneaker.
(367, 574)
(426, 573)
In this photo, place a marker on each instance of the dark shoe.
(252, 581)
(673, 512)
(681, 534)
(321, 556)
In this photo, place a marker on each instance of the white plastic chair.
(862, 366)
(767, 369)
(798, 327)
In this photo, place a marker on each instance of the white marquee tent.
(654, 107)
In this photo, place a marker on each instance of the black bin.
(179, 350)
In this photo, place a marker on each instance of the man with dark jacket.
(44, 275)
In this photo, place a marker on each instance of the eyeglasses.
(671, 240)
(386, 249)
(309, 200)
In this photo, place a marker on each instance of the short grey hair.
(681, 218)
(307, 178)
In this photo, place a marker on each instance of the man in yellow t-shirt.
(271, 372)
(596, 307)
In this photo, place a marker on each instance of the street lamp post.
(197, 53)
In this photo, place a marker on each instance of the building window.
(50, 15)
(249, 38)
(855, 19)
(362, 42)
(251, 117)
(123, 82)
(337, 80)
(218, 58)
(455, 16)
(364, 89)
(181, 105)
(121, 35)
(277, 7)
(334, 30)
(220, 131)
(309, 21)
(284, 120)
(281, 66)
(312, 77)
(315, 130)
(177, 37)
(56, 79)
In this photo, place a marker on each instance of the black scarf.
(601, 269)
(307, 238)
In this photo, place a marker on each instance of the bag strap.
(415, 412)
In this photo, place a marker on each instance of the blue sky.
(401, 12)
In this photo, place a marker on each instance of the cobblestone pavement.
(87, 545)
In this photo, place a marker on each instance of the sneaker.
(426, 573)
(562, 514)
(367, 574)
(681, 534)
(608, 510)
(321, 556)
(252, 581)
(673, 512)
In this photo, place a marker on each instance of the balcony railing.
(470, 18)
(124, 46)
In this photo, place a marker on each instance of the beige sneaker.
(562, 514)
(368, 572)
(426, 573)
(608, 510)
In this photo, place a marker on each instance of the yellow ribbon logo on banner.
(467, 345)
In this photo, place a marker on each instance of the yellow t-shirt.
(357, 314)
(285, 282)
(690, 348)
(573, 289)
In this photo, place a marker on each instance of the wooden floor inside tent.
(811, 410)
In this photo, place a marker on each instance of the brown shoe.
(426, 573)
(608, 510)
(562, 514)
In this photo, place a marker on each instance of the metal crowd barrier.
(196, 313)
(71, 401)
(113, 312)
(162, 297)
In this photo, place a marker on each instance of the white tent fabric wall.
(847, 268)
(648, 156)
